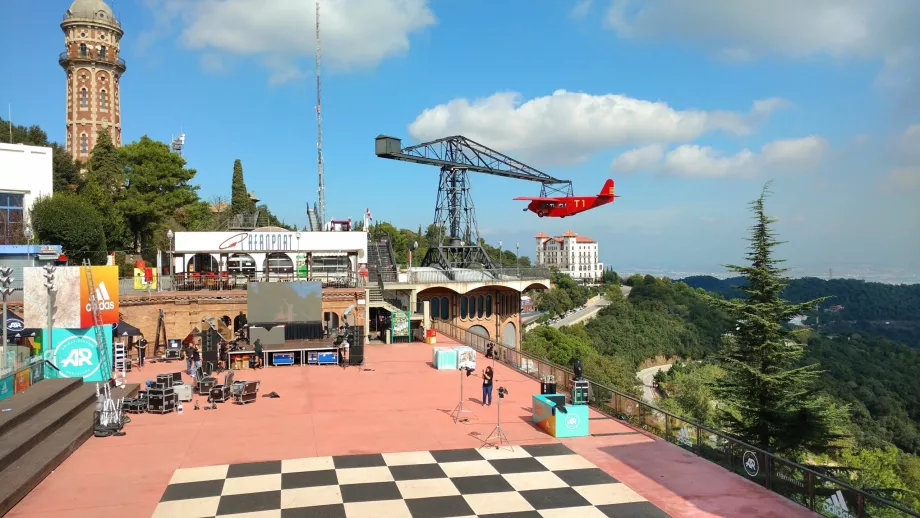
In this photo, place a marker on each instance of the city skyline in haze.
(689, 107)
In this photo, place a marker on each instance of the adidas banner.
(73, 300)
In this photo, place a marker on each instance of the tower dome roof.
(95, 9)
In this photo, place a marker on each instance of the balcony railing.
(507, 274)
(806, 486)
(65, 57)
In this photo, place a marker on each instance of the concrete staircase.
(45, 424)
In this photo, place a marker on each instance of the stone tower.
(92, 37)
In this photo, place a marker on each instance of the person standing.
(196, 359)
(141, 351)
(188, 359)
(258, 351)
(487, 386)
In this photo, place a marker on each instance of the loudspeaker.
(356, 345)
(209, 342)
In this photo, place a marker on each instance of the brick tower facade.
(92, 37)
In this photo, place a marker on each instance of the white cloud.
(213, 63)
(747, 29)
(568, 127)
(581, 8)
(693, 161)
(902, 180)
(355, 33)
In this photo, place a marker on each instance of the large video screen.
(284, 302)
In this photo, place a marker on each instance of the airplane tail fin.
(608, 190)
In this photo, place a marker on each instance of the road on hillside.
(589, 310)
(647, 377)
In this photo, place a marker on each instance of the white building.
(272, 254)
(25, 174)
(571, 254)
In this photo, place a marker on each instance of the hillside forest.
(865, 379)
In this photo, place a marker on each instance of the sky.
(691, 107)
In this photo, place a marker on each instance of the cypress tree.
(240, 202)
(767, 396)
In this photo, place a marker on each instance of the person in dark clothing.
(258, 349)
(487, 386)
(490, 350)
(141, 351)
(196, 359)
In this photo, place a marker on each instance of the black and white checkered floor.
(529, 481)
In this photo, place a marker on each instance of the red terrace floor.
(402, 405)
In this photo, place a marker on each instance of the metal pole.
(3, 349)
(50, 348)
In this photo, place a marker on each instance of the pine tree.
(767, 396)
(104, 189)
(240, 202)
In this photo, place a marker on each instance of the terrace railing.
(506, 274)
(806, 486)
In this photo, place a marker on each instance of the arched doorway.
(331, 320)
(202, 263)
(509, 335)
(278, 265)
(478, 331)
(241, 266)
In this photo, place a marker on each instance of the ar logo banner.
(571, 422)
(76, 357)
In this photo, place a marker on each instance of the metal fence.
(806, 486)
(463, 275)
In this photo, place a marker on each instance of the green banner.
(401, 326)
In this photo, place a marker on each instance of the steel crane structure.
(455, 213)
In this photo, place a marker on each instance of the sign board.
(145, 278)
(265, 242)
(76, 353)
(70, 300)
(400, 324)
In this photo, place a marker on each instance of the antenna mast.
(319, 131)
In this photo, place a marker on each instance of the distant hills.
(861, 300)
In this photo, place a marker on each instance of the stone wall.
(182, 313)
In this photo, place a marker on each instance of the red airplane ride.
(560, 207)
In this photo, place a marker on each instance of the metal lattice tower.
(321, 190)
(101, 343)
(458, 244)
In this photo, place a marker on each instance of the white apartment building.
(570, 253)
(25, 174)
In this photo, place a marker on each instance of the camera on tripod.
(468, 370)
(502, 392)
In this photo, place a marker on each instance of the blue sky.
(689, 106)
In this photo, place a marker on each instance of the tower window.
(84, 144)
(83, 50)
(84, 101)
(103, 101)
(102, 52)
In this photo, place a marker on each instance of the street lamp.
(6, 289)
(517, 255)
(169, 236)
(501, 263)
(49, 285)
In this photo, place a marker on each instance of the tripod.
(459, 408)
(498, 433)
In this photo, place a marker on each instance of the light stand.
(172, 274)
(49, 285)
(459, 408)
(498, 433)
(6, 280)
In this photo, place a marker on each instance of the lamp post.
(517, 257)
(49, 285)
(28, 235)
(501, 263)
(6, 288)
(169, 236)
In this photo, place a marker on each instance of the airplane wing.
(526, 198)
